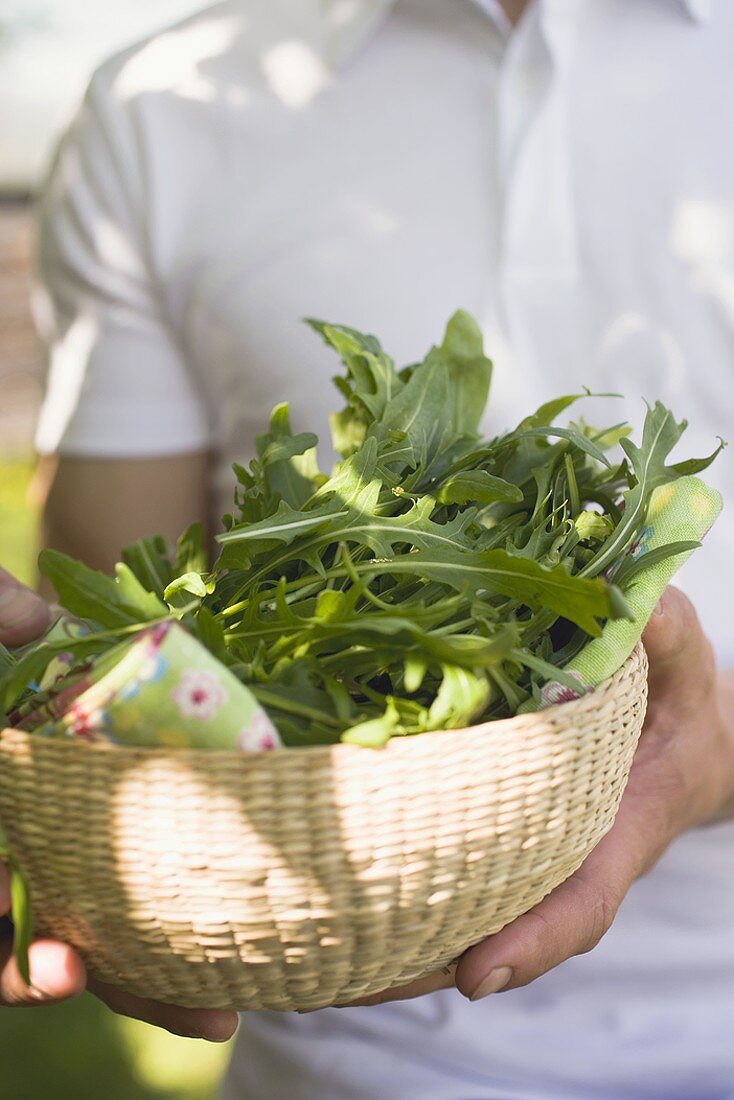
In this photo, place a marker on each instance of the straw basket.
(308, 877)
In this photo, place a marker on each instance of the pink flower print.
(199, 694)
(84, 724)
(553, 692)
(259, 736)
(156, 634)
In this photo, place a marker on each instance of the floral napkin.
(163, 689)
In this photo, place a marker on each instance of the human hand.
(56, 971)
(682, 776)
(24, 616)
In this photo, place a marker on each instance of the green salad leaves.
(433, 579)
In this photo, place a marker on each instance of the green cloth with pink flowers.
(163, 689)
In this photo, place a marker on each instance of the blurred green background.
(80, 1049)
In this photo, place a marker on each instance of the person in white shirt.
(561, 168)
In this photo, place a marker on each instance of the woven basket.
(308, 877)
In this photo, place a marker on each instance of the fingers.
(574, 917)
(4, 891)
(685, 757)
(23, 615)
(441, 979)
(214, 1025)
(570, 921)
(678, 651)
(56, 971)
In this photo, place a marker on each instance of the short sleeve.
(117, 384)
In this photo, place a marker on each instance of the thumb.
(23, 614)
(674, 641)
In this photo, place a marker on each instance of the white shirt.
(572, 184)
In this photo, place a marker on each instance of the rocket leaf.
(432, 579)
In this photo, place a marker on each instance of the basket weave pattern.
(308, 877)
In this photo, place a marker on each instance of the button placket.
(538, 230)
(537, 261)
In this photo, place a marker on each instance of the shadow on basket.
(306, 877)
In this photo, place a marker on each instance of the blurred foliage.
(80, 1049)
(17, 520)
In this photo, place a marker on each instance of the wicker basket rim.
(570, 709)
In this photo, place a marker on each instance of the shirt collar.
(700, 10)
(349, 23)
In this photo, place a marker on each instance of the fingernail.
(659, 606)
(17, 606)
(38, 992)
(496, 980)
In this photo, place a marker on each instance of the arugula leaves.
(660, 434)
(431, 580)
(92, 595)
